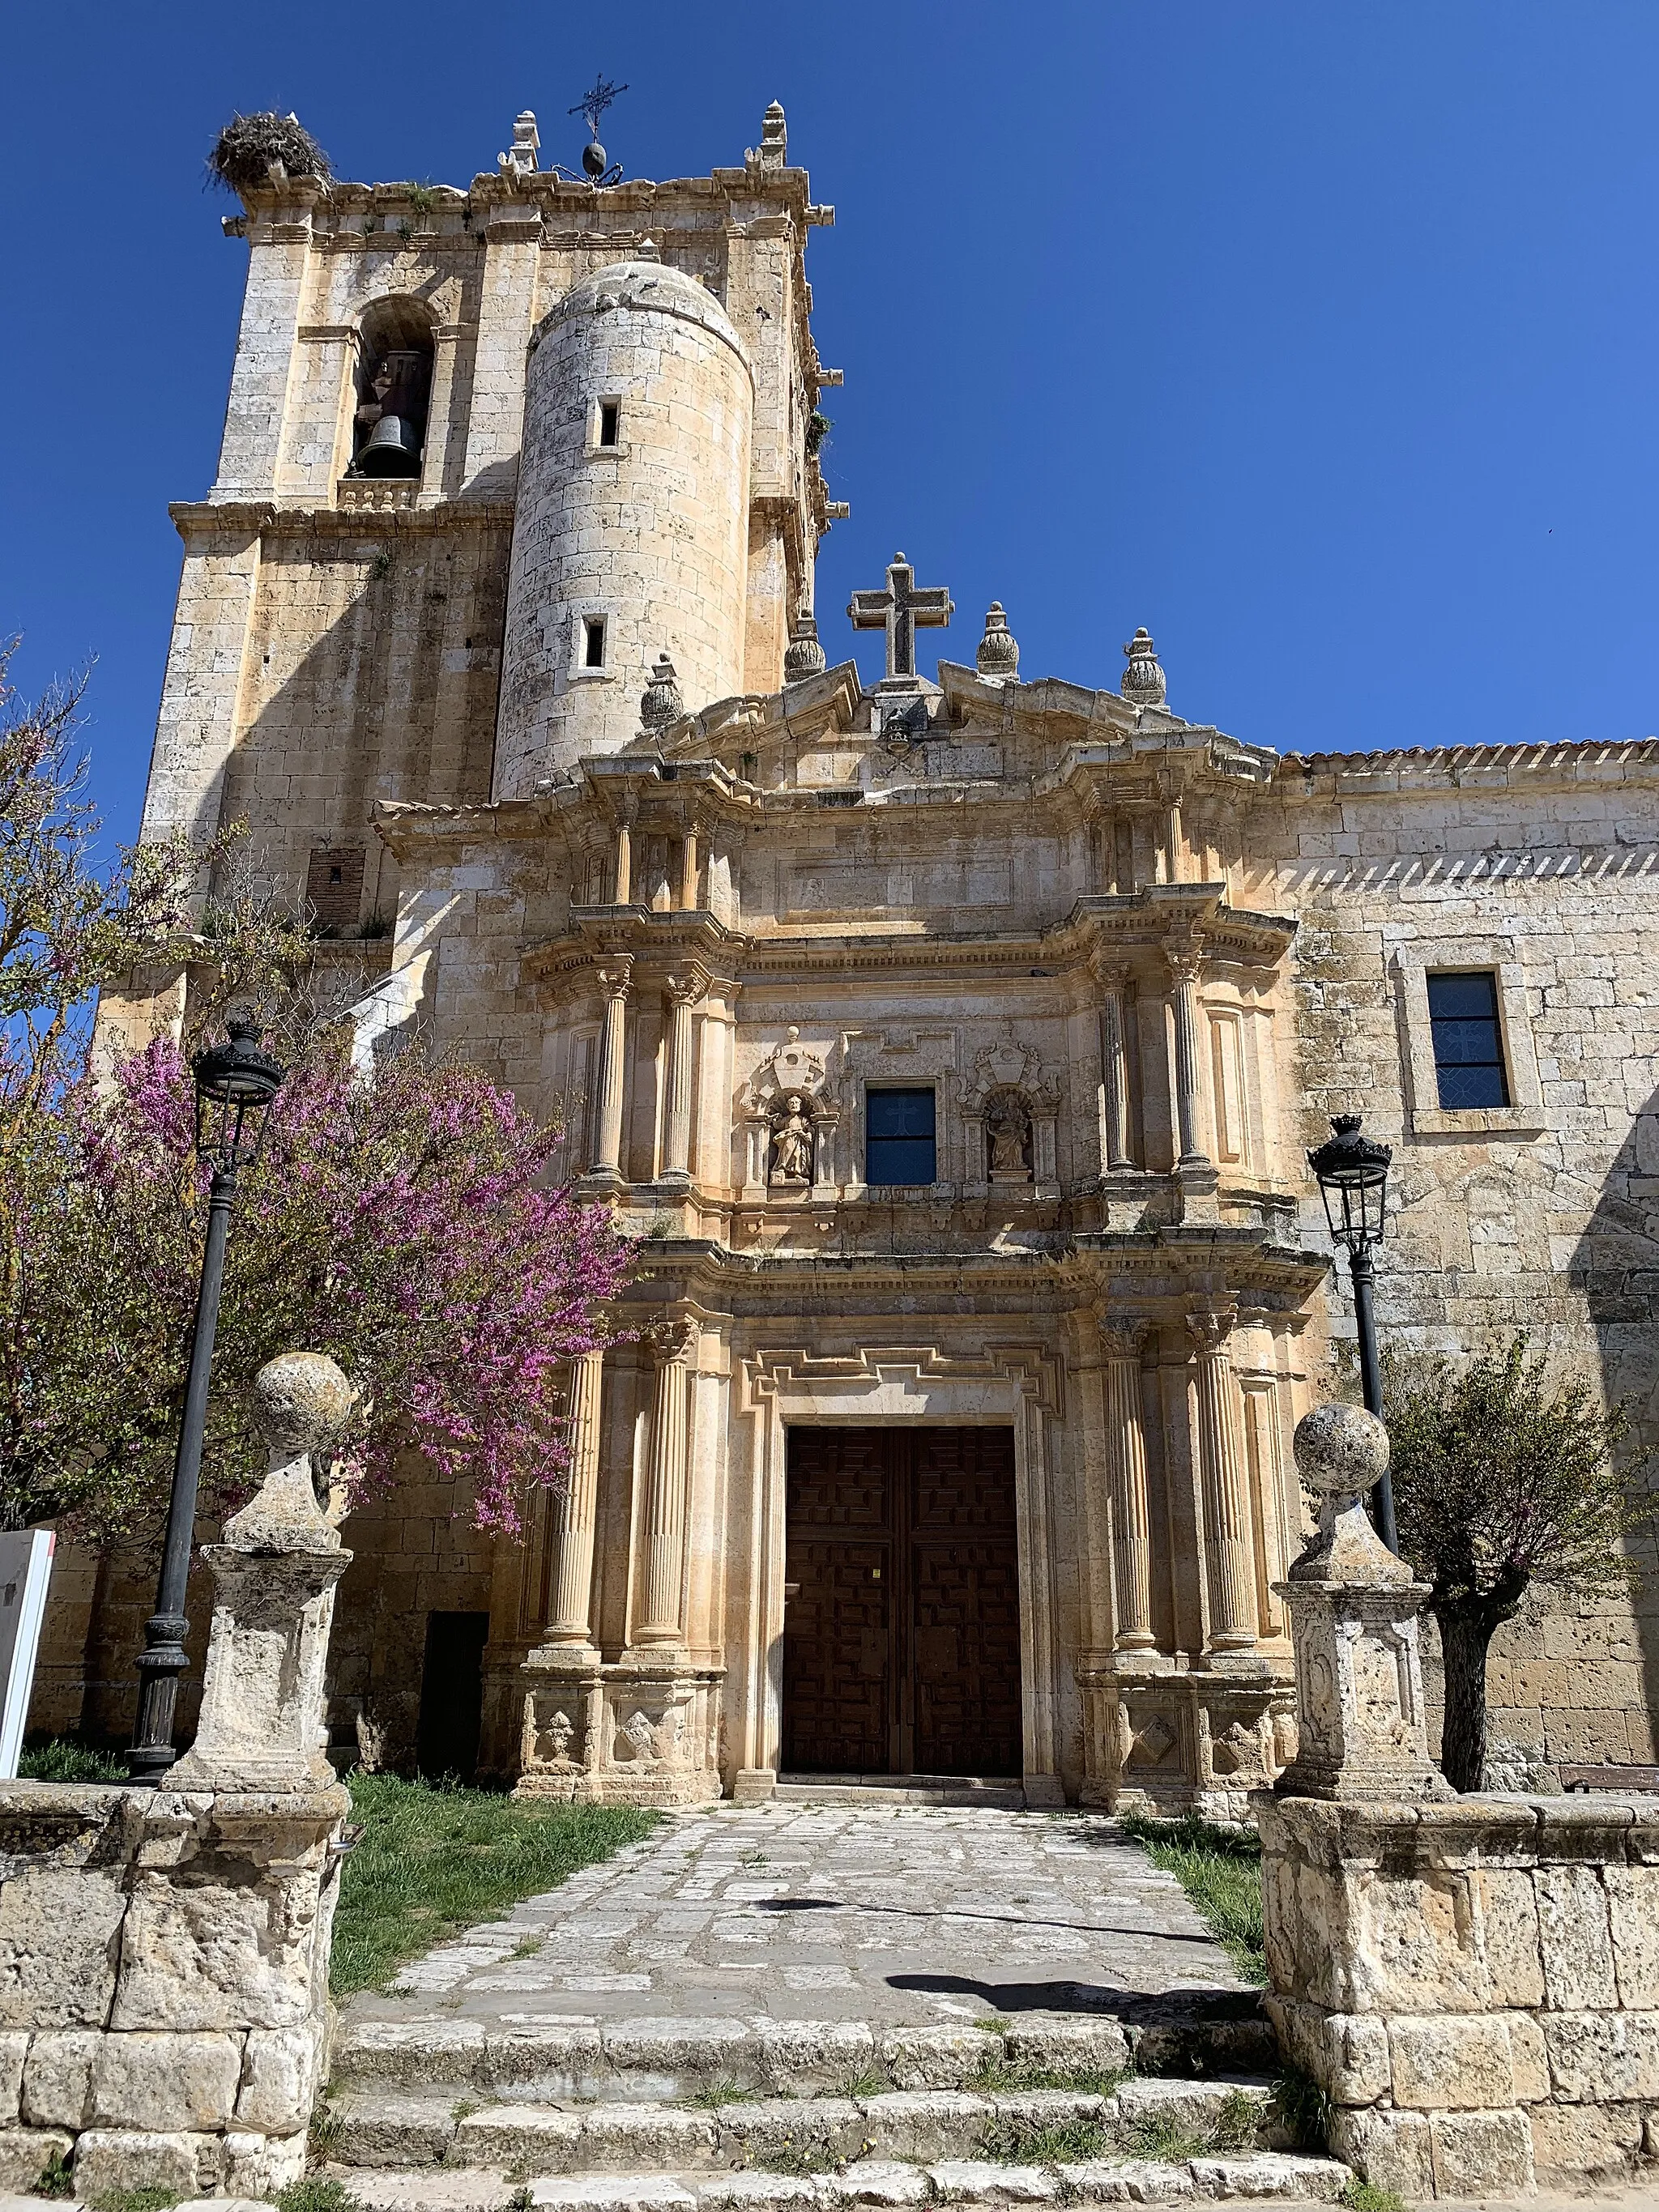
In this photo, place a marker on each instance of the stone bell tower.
(631, 535)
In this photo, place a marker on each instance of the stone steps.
(662, 2060)
(1244, 2179)
(899, 1789)
(796, 2135)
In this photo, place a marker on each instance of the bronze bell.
(392, 449)
(396, 412)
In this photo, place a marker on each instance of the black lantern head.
(1354, 1175)
(234, 1084)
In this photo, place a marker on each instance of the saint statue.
(1007, 1125)
(792, 1145)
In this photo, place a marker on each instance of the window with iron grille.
(1468, 1042)
(898, 1137)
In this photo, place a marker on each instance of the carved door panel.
(837, 1683)
(902, 1641)
(964, 1598)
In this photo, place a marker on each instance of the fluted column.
(1125, 1451)
(1114, 1087)
(1184, 962)
(684, 992)
(662, 1522)
(623, 886)
(616, 978)
(1228, 1549)
(570, 1532)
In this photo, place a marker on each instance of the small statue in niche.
(792, 1145)
(1008, 1135)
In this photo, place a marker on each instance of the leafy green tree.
(1503, 1483)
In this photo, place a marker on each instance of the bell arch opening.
(391, 387)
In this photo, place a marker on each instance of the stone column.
(1184, 962)
(684, 993)
(662, 1522)
(1126, 1449)
(570, 1532)
(1114, 1087)
(436, 464)
(688, 864)
(615, 980)
(1228, 1550)
(623, 887)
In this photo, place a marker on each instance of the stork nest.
(245, 150)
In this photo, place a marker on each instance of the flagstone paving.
(888, 1914)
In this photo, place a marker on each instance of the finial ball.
(300, 1399)
(1341, 1449)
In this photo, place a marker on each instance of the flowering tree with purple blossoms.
(400, 1217)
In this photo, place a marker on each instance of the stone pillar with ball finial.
(1353, 1607)
(273, 1574)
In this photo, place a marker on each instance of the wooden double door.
(901, 1642)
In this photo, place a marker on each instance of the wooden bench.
(1580, 1779)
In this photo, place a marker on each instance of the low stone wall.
(1475, 1983)
(163, 1984)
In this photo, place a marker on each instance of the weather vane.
(596, 165)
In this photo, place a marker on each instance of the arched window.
(393, 387)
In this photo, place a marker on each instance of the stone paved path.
(892, 1915)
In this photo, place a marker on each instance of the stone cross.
(898, 610)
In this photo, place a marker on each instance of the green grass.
(315, 2194)
(1003, 2076)
(136, 2200)
(723, 2090)
(1365, 2197)
(64, 1758)
(435, 1859)
(1220, 1870)
(1014, 2142)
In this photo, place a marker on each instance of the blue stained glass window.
(898, 1137)
(1468, 1044)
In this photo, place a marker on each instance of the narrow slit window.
(1468, 1042)
(593, 642)
(609, 421)
(899, 1145)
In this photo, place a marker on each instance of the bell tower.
(631, 534)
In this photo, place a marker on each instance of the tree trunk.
(1466, 1631)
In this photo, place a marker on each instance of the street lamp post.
(1352, 1173)
(236, 1082)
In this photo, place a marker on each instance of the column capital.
(1208, 1328)
(670, 1342)
(1185, 955)
(685, 990)
(1122, 1334)
(614, 974)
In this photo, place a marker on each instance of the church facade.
(952, 1046)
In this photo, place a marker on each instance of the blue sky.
(1322, 339)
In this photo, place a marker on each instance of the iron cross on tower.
(897, 610)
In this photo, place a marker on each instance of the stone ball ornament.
(301, 1400)
(1341, 1450)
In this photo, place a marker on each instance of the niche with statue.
(392, 387)
(1007, 1137)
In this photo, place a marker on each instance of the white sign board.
(25, 1573)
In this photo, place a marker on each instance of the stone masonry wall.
(163, 1984)
(1475, 1985)
(1541, 1217)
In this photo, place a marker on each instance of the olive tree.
(1504, 1482)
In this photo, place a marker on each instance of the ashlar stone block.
(1632, 1894)
(1575, 1938)
(57, 2077)
(59, 1927)
(1597, 2058)
(107, 2160)
(206, 1955)
(168, 2082)
(25, 2152)
(1450, 2064)
(279, 2080)
(1392, 2150)
(1481, 2154)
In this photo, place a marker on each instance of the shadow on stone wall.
(1616, 1267)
